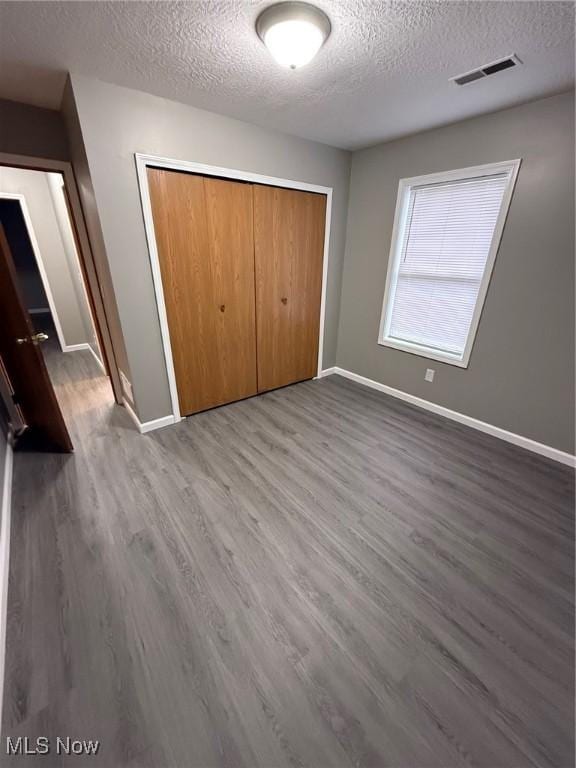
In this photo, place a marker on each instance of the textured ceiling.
(383, 72)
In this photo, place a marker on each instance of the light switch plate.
(429, 375)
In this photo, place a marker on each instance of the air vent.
(488, 69)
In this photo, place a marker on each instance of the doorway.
(51, 304)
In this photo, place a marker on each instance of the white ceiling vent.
(487, 69)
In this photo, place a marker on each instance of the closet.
(241, 268)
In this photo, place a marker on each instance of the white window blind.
(440, 260)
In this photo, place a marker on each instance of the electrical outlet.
(429, 375)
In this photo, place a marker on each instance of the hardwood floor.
(319, 576)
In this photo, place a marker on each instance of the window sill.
(430, 354)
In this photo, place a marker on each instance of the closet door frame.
(143, 161)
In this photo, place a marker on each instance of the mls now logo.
(23, 745)
(26, 746)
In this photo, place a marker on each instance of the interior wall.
(16, 232)
(115, 123)
(56, 187)
(32, 131)
(34, 186)
(94, 230)
(521, 372)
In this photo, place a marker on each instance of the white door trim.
(38, 256)
(142, 162)
(85, 251)
(57, 187)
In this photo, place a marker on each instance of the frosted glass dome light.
(293, 32)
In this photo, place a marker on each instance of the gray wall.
(56, 187)
(521, 372)
(117, 354)
(27, 130)
(34, 186)
(117, 122)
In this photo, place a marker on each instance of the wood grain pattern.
(204, 232)
(289, 245)
(322, 576)
(25, 365)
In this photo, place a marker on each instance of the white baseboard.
(148, 426)
(469, 421)
(5, 560)
(327, 372)
(75, 347)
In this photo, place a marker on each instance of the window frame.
(405, 187)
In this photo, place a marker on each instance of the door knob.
(35, 338)
(284, 300)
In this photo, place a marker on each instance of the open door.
(25, 365)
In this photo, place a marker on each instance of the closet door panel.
(289, 247)
(230, 222)
(204, 234)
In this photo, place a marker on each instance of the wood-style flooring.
(321, 576)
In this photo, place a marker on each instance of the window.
(446, 234)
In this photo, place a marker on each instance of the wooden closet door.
(289, 248)
(204, 234)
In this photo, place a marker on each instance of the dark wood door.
(205, 240)
(289, 247)
(24, 363)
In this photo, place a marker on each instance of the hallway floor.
(319, 576)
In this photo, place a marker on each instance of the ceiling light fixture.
(293, 32)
